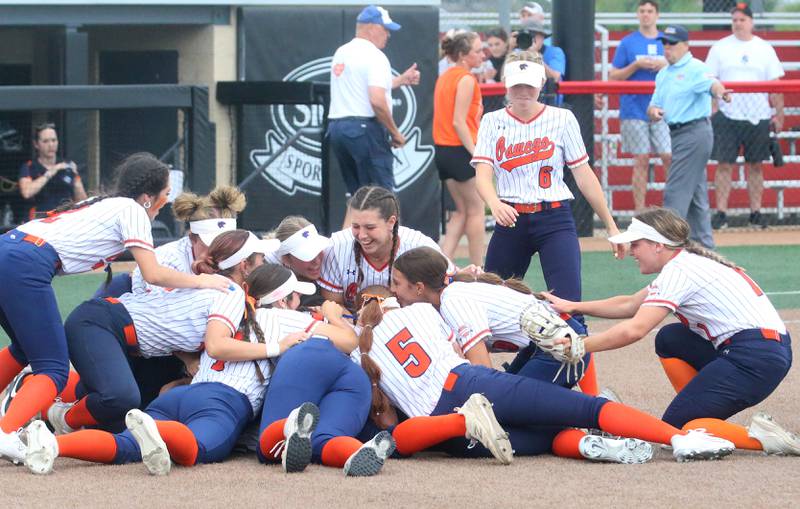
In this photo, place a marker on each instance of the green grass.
(603, 276)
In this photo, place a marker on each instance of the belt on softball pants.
(533, 208)
(767, 334)
(129, 331)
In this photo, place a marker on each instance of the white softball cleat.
(11, 447)
(57, 417)
(370, 457)
(482, 426)
(773, 437)
(42, 448)
(610, 394)
(697, 444)
(300, 424)
(155, 455)
(623, 450)
(12, 389)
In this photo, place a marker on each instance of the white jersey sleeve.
(175, 255)
(574, 149)
(468, 320)
(484, 146)
(330, 277)
(228, 308)
(134, 226)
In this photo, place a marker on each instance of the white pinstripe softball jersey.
(339, 273)
(713, 300)
(89, 237)
(528, 158)
(483, 311)
(412, 346)
(175, 320)
(177, 255)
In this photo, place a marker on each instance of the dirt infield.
(743, 480)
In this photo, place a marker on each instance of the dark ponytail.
(370, 317)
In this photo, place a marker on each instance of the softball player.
(314, 417)
(364, 254)
(484, 313)
(197, 423)
(408, 356)
(730, 350)
(76, 238)
(302, 251)
(103, 333)
(525, 147)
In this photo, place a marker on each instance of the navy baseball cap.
(675, 33)
(377, 15)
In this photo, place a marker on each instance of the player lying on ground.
(75, 238)
(412, 365)
(318, 400)
(730, 350)
(103, 334)
(483, 311)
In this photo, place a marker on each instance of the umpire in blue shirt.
(682, 97)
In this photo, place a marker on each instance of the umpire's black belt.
(360, 119)
(680, 125)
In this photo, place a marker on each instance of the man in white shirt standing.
(362, 131)
(745, 121)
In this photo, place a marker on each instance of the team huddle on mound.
(342, 351)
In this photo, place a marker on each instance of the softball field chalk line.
(791, 292)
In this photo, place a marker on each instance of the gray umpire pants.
(686, 191)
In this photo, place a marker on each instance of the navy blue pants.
(737, 376)
(120, 283)
(99, 352)
(28, 307)
(316, 371)
(215, 412)
(552, 234)
(532, 411)
(362, 148)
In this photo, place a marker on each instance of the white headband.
(209, 229)
(252, 245)
(304, 244)
(390, 303)
(289, 286)
(639, 230)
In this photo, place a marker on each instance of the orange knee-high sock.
(419, 433)
(88, 445)
(678, 371)
(181, 442)
(588, 383)
(9, 368)
(269, 438)
(67, 395)
(729, 431)
(37, 391)
(625, 421)
(79, 416)
(338, 449)
(565, 444)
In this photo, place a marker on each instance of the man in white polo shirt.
(362, 131)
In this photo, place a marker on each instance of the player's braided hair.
(370, 317)
(137, 174)
(387, 205)
(676, 229)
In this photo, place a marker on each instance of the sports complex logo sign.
(299, 168)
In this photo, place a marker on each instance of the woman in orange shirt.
(457, 110)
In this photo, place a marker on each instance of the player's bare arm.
(478, 355)
(504, 214)
(377, 99)
(620, 306)
(159, 275)
(220, 344)
(627, 332)
(593, 192)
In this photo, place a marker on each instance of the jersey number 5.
(409, 353)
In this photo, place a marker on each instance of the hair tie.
(368, 325)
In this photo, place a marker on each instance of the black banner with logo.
(296, 44)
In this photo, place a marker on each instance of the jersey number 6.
(409, 353)
(545, 177)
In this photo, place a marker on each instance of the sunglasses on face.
(669, 43)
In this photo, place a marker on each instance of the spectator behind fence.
(497, 42)
(48, 180)
(682, 99)
(533, 11)
(745, 121)
(445, 62)
(639, 56)
(457, 110)
(362, 131)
